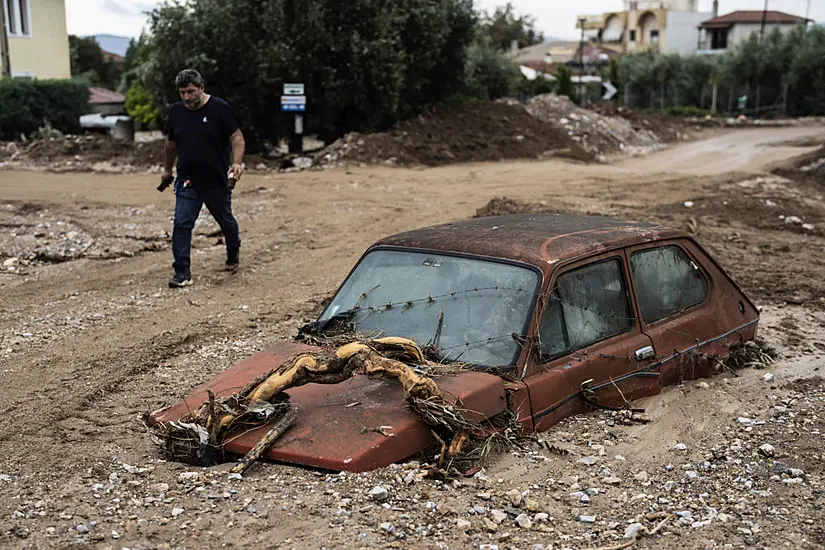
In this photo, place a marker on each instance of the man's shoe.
(180, 279)
(232, 268)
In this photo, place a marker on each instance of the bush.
(140, 104)
(687, 111)
(26, 105)
(537, 86)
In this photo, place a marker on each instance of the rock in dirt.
(524, 521)
(632, 529)
(379, 494)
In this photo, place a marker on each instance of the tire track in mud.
(100, 376)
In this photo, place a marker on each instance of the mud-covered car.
(551, 312)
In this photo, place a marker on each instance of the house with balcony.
(666, 26)
(35, 43)
(718, 34)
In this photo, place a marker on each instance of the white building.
(718, 34)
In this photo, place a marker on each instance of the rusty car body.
(621, 308)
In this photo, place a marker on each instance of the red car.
(540, 305)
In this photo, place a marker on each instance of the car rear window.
(587, 305)
(666, 281)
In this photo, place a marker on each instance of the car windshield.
(470, 310)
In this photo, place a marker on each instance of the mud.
(471, 132)
(91, 343)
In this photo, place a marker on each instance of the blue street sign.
(294, 108)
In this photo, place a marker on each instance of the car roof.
(542, 239)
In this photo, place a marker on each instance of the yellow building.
(37, 39)
(646, 25)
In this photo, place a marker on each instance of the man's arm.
(238, 149)
(171, 153)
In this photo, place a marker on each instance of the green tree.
(504, 27)
(564, 81)
(490, 73)
(377, 62)
(87, 61)
(140, 104)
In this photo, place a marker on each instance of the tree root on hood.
(198, 437)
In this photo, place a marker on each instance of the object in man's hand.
(231, 181)
(166, 182)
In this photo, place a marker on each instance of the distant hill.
(112, 43)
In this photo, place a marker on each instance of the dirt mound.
(501, 206)
(91, 152)
(602, 136)
(668, 128)
(470, 132)
(808, 168)
(763, 202)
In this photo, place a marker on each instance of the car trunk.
(337, 424)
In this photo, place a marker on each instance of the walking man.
(202, 130)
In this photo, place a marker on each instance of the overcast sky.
(554, 17)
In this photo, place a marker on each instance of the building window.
(719, 39)
(632, 35)
(18, 20)
(654, 37)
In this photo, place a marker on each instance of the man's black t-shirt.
(202, 140)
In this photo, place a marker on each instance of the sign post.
(294, 100)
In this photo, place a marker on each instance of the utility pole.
(807, 13)
(764, 17)
(581, 62)
(5, 63)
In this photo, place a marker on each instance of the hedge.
(26, 105)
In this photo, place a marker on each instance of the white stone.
(768, 377)
(524, 521)
(632, 530)
(498, 515)
(379, 494)
(177, 511)
(767, 449)
(680, 447)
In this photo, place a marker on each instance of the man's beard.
(194, 102)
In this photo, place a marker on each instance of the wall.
(45, 53)
(682, 35)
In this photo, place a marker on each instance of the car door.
(688, 307)
(588, 331)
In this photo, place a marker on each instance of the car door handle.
(645, 353)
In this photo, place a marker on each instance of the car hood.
(337, 424)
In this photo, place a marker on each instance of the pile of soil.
(668, 128)
(471, 132)
(85, 153)
(501, 206)
(602, 136)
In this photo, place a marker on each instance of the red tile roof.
(540, 66)
(102, 95)
(118, 59)
(752, 16)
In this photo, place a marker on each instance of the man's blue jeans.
(188, 203)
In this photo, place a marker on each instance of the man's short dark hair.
(187, 77)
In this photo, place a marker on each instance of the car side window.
(667, 281)
(587, 305)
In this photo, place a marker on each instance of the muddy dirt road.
(91, 338)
